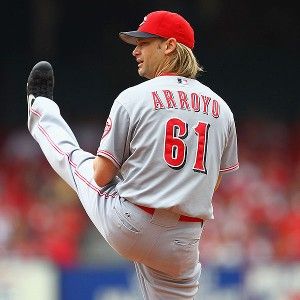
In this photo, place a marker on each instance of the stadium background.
(249, 50)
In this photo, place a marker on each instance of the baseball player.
(165, 145)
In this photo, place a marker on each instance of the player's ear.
(170, 45)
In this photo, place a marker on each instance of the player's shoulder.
(131, 94)
(138, 88)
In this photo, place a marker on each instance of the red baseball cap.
(163, 24)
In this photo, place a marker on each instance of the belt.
(182, 218)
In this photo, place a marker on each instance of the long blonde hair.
(182, 62)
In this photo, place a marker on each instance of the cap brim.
(130, 37)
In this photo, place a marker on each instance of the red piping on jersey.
(80, 176)
(109, 156)
(230, 168)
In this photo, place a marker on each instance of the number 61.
(175, 149)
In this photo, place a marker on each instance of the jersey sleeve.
(229, 160)
(114, 143)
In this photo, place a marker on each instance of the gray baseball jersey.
(170, 137)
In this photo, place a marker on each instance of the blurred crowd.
(257, 208)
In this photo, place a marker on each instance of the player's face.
(149, 55)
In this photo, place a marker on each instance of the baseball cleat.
(40, 82)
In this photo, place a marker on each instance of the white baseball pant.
(164, 249)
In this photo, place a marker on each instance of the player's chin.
(144, 74)
(141, 72)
